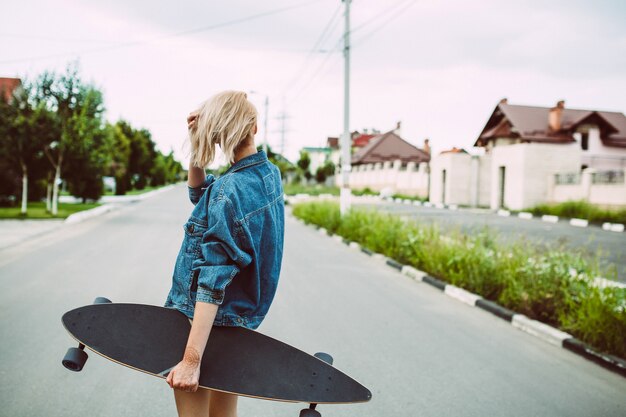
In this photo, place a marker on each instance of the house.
(390, 162)
(600, 135)
(319, 157)
(7, 86)
(528, 155)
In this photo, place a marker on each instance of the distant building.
(7, 86)
(534, 155)
(390, 162)
(600, 135)
(318, 156)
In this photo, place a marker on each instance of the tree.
(26, 127)
(324, 171)
(303, 163)
(79, 108)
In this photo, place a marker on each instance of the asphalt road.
(421, 353)
(609, 247)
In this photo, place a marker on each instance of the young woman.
(227, 269)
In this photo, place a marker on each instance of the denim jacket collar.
(249, 160)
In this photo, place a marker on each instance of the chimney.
(398, 128)
(504, 101)
(555, 116)
(427, 146)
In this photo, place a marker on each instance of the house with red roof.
(528, 155)
(390, 163)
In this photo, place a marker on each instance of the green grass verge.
(293, 189)
(550, 285)
(409, 197)
(580, 210)
(38, 211)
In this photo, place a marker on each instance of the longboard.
(236, 360)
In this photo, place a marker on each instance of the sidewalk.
(13, 232)
(16, 231)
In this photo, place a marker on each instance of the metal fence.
(571, 178)
(608, 177)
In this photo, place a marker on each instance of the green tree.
(324, 171)
(79, 108)
(303, 163)
(26, 127)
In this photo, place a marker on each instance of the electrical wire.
(368, 35)
(173, 35)
(379, 15)
(317, 71)
(314, 50)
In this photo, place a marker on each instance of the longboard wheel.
(325, 357)
(307, 412)
(102, 300)
(75, 359)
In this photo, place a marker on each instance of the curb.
(88, 214)
(611, 227)
(535, 328)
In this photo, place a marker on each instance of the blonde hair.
(227, 119)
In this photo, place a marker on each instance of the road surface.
(421, 353)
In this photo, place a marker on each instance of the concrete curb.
(579, 222)
(549, 218)
(612, 227)
(88, 214)
(535, 328)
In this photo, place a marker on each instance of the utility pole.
(282, 117)
(346, 140)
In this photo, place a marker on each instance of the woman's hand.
(185, 375)
(191, 120)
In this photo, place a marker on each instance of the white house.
(531, 153)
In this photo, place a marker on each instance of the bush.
(581, 210)
(550, 285)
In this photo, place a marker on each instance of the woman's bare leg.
(223, 405)
(193, 404)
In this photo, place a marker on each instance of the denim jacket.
(233, 244)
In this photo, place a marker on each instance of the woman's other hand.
(191, 120)
(185, 375)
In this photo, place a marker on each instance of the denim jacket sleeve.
(222, 255)
(196, 193)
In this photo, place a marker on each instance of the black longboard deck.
(236, 360)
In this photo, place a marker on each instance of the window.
(584, 141)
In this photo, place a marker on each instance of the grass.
(37, 210)
(550, 285)
(293, 189)
(581, 210)
(409, 197)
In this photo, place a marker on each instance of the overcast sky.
(440, 67)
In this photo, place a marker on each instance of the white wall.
(607, 195)
(467, 179)
(598, 155)
(529, 168)
(412, 180)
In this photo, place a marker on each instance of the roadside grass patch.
(37, 210)
(547, 284)
(293, 189)
(581, 210)
(409, 197)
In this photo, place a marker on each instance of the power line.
(173, 35)
(382, 25)
(318, 43)
(317, 71)
(379, 15)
